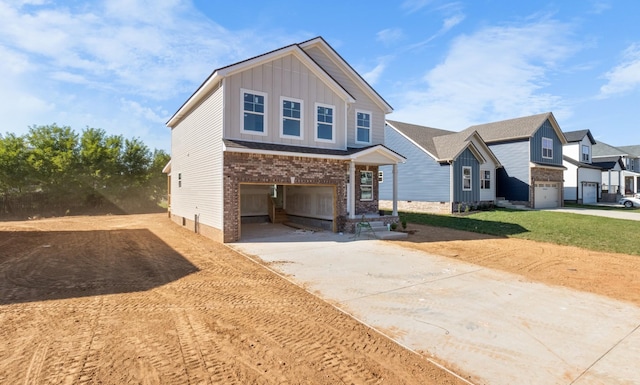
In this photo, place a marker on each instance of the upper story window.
(254, 112)
(291, 123)
(585, 154)
(325, 127)
(363, 127)
(547, 148)
(485, 182)
(466, 178)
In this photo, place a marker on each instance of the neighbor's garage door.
(547, 195)
(589, 193)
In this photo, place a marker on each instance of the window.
(380, 176)
(485, 183)
(366, 185)
(363, 127)
(324, 123)
(585, 153)
(179, 179)
(466, 178)
(291, 123)
(254, 113)
(547, 148)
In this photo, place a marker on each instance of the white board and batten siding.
(363, 100)
(283, 77)
(196, 163)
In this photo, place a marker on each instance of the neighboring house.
(622, 181)
(530, 152)
(295, 133)
(445, 171)
(582, 179)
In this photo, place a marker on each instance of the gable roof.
(609, 162)
(577, 136)
(514, 129)
(441, 145)
(632, 150)
(580, 164)
(601, 149)
(298, 50)
(346, 67)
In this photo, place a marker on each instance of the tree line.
(53, 168)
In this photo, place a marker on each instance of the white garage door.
(547, 195)
(589, 193)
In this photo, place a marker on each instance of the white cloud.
(389, 36)
(415, 5)
(372, 76)
(495, 73)
(624, 77)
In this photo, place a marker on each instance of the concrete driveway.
(632, 215)
(488, 326)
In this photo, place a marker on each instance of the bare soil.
(139, 300)
(609, 274)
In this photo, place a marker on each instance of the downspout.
(395, 189)
(578, 185)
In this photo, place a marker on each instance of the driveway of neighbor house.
(489, 326)
(632, 215)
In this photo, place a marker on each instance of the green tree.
(53, 155)
(15, 173)
(157, 180)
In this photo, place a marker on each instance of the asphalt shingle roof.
(602, 149)
(577, 136)
(442, 144)
(632, 150)
(518, 128)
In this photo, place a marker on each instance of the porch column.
(609, 185)
(395, 189)
(352, 190)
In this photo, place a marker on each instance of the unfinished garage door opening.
(307, 206)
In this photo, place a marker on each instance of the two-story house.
(530, 152)
(582, 179)
(294, 133)
(622, 179)
(445, 171)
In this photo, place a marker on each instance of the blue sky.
(127, 65)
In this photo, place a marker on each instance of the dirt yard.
(608, 274)
(139, 300)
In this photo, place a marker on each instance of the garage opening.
(589, 192)
(309, 206)
(547, 195)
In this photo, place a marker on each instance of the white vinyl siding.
(284, 77)
(196, 153)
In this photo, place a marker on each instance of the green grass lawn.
(586, 231)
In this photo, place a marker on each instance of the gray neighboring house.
(530, 152)
(582, 179)
(622, 180)
(445, 171)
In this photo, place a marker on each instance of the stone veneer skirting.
(418, 206)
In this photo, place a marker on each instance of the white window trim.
(333, 124)
(551, 141)
(482, 174)
(281, 107)
(470, 178)
(370, 126)
(366, 185)
(265, 114)
(588, 153)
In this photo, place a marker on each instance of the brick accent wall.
(276, 169)
(367, 207)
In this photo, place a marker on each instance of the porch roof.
(372, 155)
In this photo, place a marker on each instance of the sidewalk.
(489, 325)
